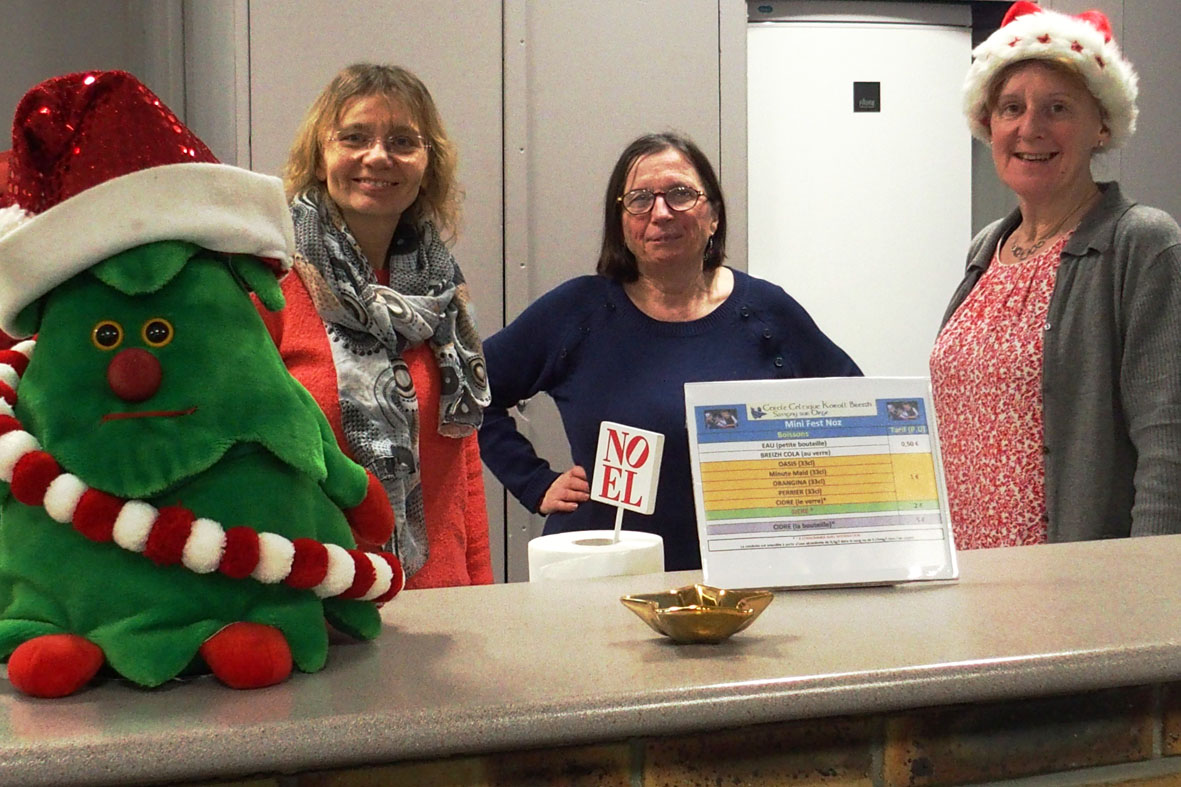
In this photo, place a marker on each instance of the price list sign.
(818, 482)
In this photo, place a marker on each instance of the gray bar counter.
(529, 666)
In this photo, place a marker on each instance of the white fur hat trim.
(1049, 35)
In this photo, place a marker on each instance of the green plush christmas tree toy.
(170, 497)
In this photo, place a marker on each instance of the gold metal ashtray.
(699, 613)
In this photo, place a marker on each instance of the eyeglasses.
(402, 144)
(679, 198)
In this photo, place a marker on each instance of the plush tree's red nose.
(134, 374)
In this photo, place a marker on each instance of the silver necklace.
(1022, 253)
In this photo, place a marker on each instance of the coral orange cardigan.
(450, 469)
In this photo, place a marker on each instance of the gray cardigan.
(1111, 371)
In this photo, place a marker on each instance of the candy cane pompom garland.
(173, 534)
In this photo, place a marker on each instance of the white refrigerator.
(859, 168)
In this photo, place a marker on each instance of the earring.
(709, 247)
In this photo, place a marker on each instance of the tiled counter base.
(1126, 736)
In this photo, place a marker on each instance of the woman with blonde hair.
(378, 325)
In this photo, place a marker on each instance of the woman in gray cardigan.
(1057, 373)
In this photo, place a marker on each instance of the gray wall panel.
(46, 39)
(217, 76)
(1152, 41)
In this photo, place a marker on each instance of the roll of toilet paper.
(584, 554)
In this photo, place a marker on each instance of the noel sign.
(627, 467)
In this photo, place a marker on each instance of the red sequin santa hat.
(1085, 42)
(100, 165)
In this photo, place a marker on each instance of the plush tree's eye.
(157, 332)
(107, 335)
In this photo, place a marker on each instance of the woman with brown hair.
(619, 346)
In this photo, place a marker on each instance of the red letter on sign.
(632, 459)
(609, 475)
(627, 490)
(615, 441)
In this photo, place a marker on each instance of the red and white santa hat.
(100, 165)
(1030, 32)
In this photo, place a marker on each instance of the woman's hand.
(566, 492)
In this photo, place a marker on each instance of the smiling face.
(1045, 125)
(372, 185)
(662, 236)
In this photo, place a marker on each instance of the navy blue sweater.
(602, 359)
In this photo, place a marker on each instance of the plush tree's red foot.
(54, 665)
(248, 655)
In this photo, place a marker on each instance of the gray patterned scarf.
(369, 326)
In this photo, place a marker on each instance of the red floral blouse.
(986, 372)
